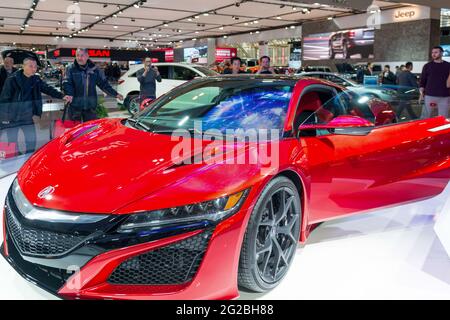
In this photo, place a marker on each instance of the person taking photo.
(147, 78)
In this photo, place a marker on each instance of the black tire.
(345, 52)
(267, 233)
(127, 102)
(365, 54)
(332, 54)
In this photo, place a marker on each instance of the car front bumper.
(164, 267)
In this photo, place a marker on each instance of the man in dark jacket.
(147, 78)
(6, 70)
(21, 103)
(80, 83)
(407, 82)
(388, 76)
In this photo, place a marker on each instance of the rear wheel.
(271, 238)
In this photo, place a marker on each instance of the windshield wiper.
(190, 130)
(137, 123)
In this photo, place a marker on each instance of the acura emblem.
(46, 192)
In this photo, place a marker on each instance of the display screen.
(446, 50)
(345, 44)
(196, 55)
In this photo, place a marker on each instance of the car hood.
(108, 167)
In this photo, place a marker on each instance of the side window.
(316, 107)
(337, 80)
(182, 73)
(356, 105)
(164, 71)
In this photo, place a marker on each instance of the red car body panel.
(340, 175)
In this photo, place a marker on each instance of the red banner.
(225, 54)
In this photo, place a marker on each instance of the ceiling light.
(97, 17)
(194, 39)
(142, 28)
(330, 18)
(221, 28)
(115, 15)
(206, 14)
(225, 37)
(294, 8)
(190, 19)
(136, 6)
(279, 18)
(115, 27)
(256, 21)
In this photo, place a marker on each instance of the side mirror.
(343, 125)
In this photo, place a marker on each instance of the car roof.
(181, 64)
(258, 77)
(319, 72)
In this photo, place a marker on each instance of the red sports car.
(212, 187)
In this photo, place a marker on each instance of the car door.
(389, 165)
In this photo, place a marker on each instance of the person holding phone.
(147, 77)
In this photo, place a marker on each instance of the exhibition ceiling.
(158, 21)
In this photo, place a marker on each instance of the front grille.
(48, 278)
(39, 242)
(174, 264)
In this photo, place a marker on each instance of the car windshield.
(207, 72)
(220, 105)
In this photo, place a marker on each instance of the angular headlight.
(213, 210)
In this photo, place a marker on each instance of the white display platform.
(388, 254)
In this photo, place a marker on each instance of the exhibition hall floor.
(389, 254)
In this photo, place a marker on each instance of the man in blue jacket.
(80, 83)
(21, 103)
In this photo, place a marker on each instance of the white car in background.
(172, 74)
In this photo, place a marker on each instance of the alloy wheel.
(276, 240)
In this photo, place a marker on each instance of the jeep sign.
(404, 14)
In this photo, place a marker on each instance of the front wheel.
(271, 238)
(132, 104)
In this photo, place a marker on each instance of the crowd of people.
(21, 90)
(21, 95)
